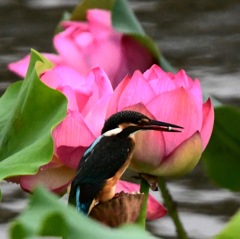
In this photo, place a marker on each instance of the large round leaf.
(222, 156)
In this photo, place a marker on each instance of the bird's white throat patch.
(113, 132)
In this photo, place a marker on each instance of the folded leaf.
(29, 110)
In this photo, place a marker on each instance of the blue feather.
(92, 145)
(81, 207)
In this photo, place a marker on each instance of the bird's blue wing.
(100, 162)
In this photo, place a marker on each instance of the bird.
(107, 158)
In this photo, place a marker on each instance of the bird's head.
(134, 121)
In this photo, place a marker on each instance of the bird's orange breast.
(109, 188)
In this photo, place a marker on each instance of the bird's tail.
(72, 196)
(82, 207)
(74, 200)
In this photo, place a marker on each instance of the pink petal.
(20, 67)
(55, 59)
(70, 156)
(208, 120)
(71, 97)
(155, 72)
(136, 91)
(195, 90)
(140, 107)
(101, 54)
(73, 131)
(159, 80)
(114, 101)
(183, 159)
(182, 79)
(97, 115)
(101, 86)
(149, 151)
(70, 51)
(99, 22)
(54, 179)
(84, 39)
(154, 209)
(63, 75)
(177, 107)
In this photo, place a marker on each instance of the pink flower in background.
(173, 98)
(83, 45)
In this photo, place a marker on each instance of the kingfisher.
(107, 158)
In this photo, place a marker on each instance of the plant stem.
(144, 188)
(172, 208)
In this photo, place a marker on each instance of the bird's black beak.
(162, 126)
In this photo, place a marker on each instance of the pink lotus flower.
(87, 102)
(88, 99)
(83, 45)
(173, 98)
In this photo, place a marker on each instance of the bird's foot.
(150, 179)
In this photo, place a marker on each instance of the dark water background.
(203, 37)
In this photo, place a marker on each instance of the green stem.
(172, 208)
(144, 188)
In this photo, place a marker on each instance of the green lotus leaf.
(231, 230)
(47, 216)
(29, 111)
(222, 155)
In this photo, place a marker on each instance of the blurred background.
(201, 37)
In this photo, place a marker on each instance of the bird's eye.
(143, 121)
